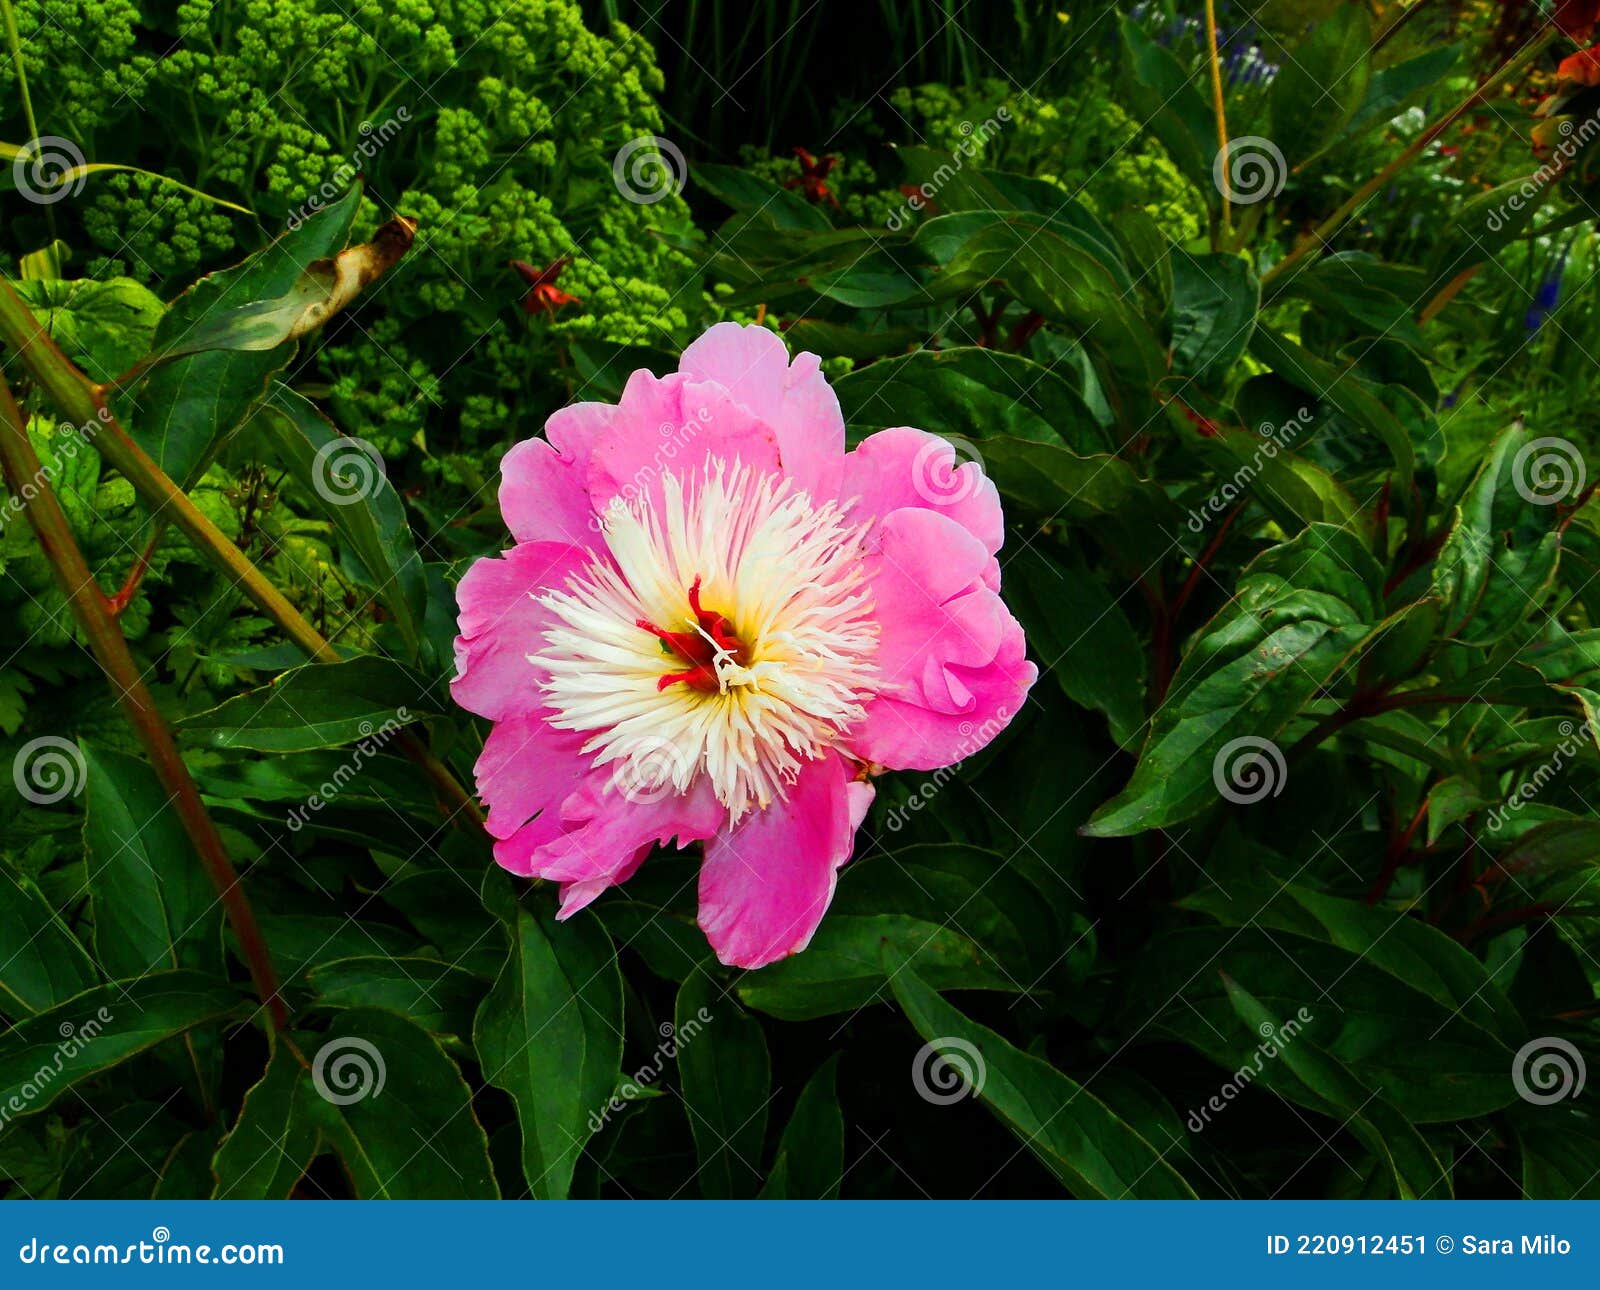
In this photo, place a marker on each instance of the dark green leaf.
(727, 1081)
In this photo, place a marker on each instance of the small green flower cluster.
(494, 126)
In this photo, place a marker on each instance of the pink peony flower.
(716, 625)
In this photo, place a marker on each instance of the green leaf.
(842, 969)
(438, 996)
(1500, 559)
(184, 410)
(103, 325)
(1392, 88)
(760, 199)
(396, 1110)
(1382, 1129)
(550, 1035)
(971, 393)
(1322, 83)
(1213, 313)
(1560, 1144)
(1355, 1011)
(727, 1081)
(1132, 518)
(1301, 609)
(1340, 389)
(154, 906)
(43, 963)
(48, 1055)
(1416, 954)
(275, 1138)
(810, 1160)
(1081, 636)
(316, 705)
(1077, 1137)
(1179, 115)
(372, 521)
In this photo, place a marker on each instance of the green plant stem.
(1217, 105)
(83, 404)
(1319, 236)
(92, 610)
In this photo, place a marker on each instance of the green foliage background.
(1285, 510)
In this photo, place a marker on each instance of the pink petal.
(902, 467)
(950, 655)
(673, 425)
(766, 882)
(527, 769)
(605, 836)
(543, 482)
(501, 622)
(795, 400)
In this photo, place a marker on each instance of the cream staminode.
(729, 635)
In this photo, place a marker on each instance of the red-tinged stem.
(93, 612)
(1396, 857)
(1206, 556)
(1024, 331)
(1511, 918)
(123, 596)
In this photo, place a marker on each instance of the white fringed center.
(784, 574)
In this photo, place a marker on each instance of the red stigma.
(695, 649)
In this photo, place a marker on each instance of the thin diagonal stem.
(89, 605)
